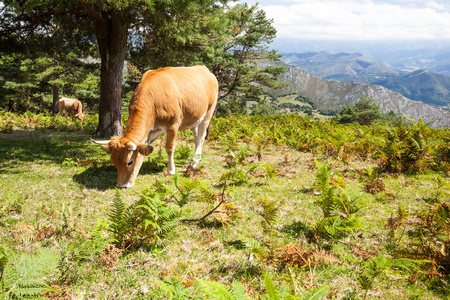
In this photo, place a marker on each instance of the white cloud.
(359, 19)
(435, 5)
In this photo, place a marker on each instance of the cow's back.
(176, 93)
(70, 105)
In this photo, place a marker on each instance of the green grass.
(57, 188)
(292, 99)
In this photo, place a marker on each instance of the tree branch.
(211, 211)
(37, 20)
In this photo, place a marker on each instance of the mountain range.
(422, 85)
(405, 55)
(331, 95)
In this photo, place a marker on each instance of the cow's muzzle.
(125, 186)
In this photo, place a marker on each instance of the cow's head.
(127, 157)
(80, 116)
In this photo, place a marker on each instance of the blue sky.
(359, 19)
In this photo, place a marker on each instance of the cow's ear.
(106, 148)
(145, 149)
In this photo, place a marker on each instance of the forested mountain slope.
(334, 95)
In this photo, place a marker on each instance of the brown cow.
(71, 106)
(165, 101)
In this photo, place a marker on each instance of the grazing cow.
(165, 101)
(71, 106)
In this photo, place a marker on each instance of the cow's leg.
(170, 147)
(60, 108)
(154, 134)
(199, 137)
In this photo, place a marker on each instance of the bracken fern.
(23, 276)
(144, 221)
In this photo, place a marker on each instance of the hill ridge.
(329, 95)
(421, 85)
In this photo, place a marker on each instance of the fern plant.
(237, 175)
(340, 207)
(186, 189)
(269, 213)
(380, 265)
(433, 236)
(144, 221)
(23, 276)
(440, 184)
(173, 288)
(216, 290)
(284, 293)
(156, 163)
(407, 149)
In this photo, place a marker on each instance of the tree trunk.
(55, 89)
(111, 29)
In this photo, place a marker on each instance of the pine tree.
(228, 39)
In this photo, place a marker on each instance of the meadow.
(280, 207)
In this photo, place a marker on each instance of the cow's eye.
(130, 162)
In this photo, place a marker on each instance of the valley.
(420, 85)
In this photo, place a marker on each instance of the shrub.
(364, 112)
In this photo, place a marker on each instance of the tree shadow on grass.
(52, 147)
(101, 178)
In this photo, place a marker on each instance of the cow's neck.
(140, 122)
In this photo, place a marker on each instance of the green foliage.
(237, 154)
(69, 162)
(186, 189)
(231, 106)
(28, 120)
(431, 237)
(144, 221)
(263, 108)
(237, 175)
(10, 204)
(283, 293)
(407, 149)
(381, 265)
(28, 81)
(441, 182)
(84, 248)
(339, 206)
(364, 112)
(399, 148)
(24, 276)
(216, 290)
(239, 251)
(173, 288)
(229, 39)
(183, 152)
(157, 163)
(269, 213)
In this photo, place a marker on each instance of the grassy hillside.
(291, 103)
(307, 208)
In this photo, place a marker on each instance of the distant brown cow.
(71, 106)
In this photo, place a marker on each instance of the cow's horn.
(100, 142)
(132, 146)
